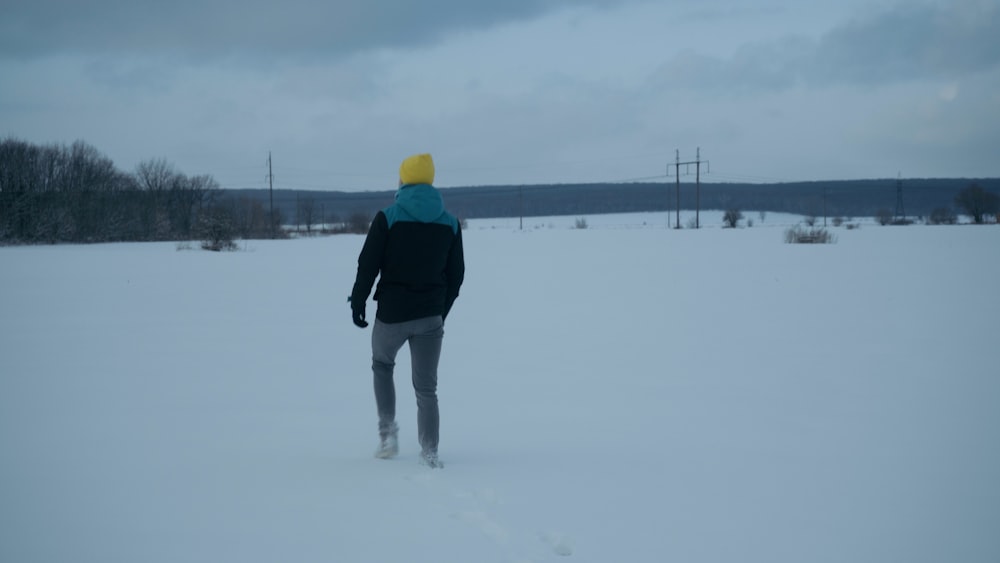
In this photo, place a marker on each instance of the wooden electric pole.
(677, 166)
(900, 210)
(270, 189)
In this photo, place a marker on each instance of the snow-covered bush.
(732, 218)
(800, 235)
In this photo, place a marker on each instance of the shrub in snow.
(581, 223)
(219, 245)
(800, 235)
(217, 231)
(732, 218)
(942, 216)
(358, 223)
(883, 216)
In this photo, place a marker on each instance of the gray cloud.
(757, 67)
(912, 41)
(520, 92)
(222, 28)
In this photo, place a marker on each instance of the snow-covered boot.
(388, 445)
(430, 459)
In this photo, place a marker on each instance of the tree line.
(57, 193)
(932, 199)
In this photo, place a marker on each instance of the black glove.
(359, 316)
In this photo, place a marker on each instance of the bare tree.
(86, 180)
(732, 218)
(185, 200)
(977, 202)
(306, 211)
(154, 175)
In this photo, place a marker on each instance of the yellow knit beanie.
(417, 169)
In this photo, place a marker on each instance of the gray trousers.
(424, 337)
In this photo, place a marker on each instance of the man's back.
(415, 247)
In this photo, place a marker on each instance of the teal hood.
(421, 203)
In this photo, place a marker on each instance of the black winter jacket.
(414, 247)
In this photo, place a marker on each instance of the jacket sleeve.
(455, 272)
(369, 261)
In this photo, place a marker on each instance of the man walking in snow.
(414, 247)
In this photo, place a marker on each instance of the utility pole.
(678, 175)
(520, 206)
(824, 207)
(900, 210)
(270, 189)
(669, 207)
(697, 191)
(677, 165)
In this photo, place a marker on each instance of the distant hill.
(845, 198)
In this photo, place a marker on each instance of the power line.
(643, 179)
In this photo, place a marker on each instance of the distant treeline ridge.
(843, 198)
(59, 193)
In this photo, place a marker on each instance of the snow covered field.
(621, 393)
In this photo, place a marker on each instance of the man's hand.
(359, 317)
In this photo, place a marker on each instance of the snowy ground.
(623, 392)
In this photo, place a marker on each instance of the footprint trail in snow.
(482, 510)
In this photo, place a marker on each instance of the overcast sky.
(512, 91)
